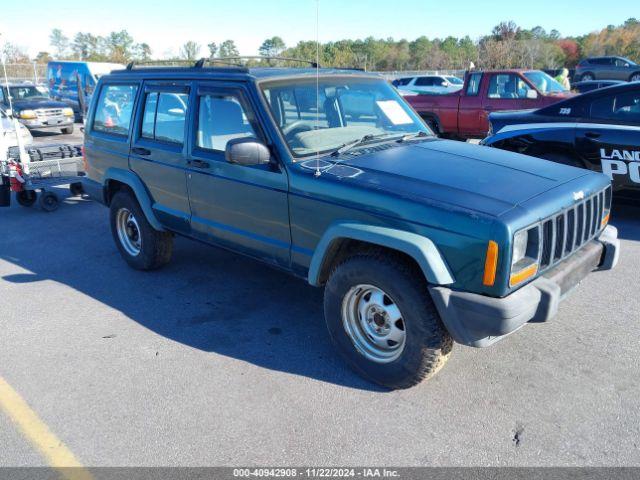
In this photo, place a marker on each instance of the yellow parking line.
(36, 431)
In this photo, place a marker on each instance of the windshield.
(28, 92)
(455, 80)
(345, 110)
(544, 82)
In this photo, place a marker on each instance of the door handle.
(141, 151)
(592, 135)
(199, 164)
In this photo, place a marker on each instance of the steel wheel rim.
(635, 78)
(374, 323)
(128, 232)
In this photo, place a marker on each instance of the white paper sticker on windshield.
(394, 112)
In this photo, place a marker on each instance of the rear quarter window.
(114, 109)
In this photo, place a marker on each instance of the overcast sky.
(167, 24)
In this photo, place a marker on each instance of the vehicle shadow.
(626, 217)
(205, 298)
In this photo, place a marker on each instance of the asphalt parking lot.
(219, 360)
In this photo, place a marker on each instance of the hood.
(33, 104)
(472, 177)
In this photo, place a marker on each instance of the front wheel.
(141, 246)
(587, 77)
(635, 77)
(382, 320)
(67, 130)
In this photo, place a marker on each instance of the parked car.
(590, 85)
(599, 130)
(608, 68)
(464, 114)
(428, 84)
(62, 78)
(8, 131)
(34, 109)
(417, 241)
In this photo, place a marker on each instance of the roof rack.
(260, 57)
(183, 63)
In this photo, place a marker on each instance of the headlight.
(28, 114)
(525, 255)
(67, 112)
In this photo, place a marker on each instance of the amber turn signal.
(490, 264)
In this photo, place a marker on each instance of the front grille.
(48, 112)
(566, 232)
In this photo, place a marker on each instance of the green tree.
(213, 49)
(120, 46)
(190, 50)
(272, 47)
(59, 42)
(228, 49)
(43, 57)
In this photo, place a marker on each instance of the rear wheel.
(382, 320)
(141, 246)
(67, 130)
(635, 77)
(587, 77)
(26, 198)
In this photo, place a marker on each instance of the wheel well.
(430, 119)
(341, 249)
(634, 73)
(112, 187)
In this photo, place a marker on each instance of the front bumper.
(479, 321)
(47, 123)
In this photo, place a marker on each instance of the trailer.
(33, 174)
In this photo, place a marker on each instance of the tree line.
(507, 46)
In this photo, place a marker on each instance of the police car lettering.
(621, 162)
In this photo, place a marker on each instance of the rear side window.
(474, 84)
(164, 116)
(424, 82)
(624, 107)
(114, 109)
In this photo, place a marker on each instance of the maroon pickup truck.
(465, 114)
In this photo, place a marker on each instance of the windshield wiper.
(355, 143)
(411, 136)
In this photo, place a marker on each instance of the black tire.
(563, 158)
(26, 198)
(67, 130)
(76, 189)
(587, 77)
(49, 201)
(427, 343)
(156, 247)
(635, 77)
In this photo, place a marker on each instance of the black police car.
(599, 130)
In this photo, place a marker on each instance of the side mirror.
(532, 94)
(247, 151)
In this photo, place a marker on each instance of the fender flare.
(418, 247)
(139, 190)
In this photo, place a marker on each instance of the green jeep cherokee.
(330, 175)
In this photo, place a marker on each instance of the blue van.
(62, 79)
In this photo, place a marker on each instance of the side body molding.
(420, 248)
(144, 199)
